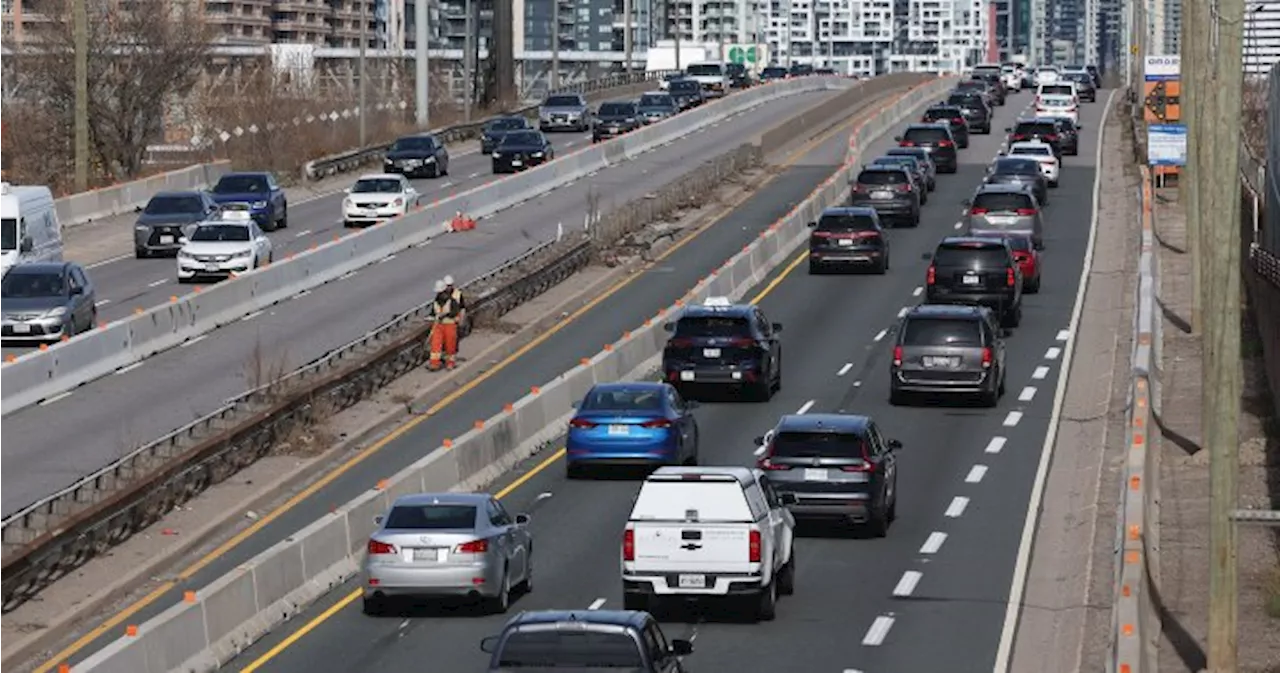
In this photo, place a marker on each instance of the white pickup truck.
(713, 77)
(708, 533)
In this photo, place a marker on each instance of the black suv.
(973, 270)
(687, 93)
(953, 116)
(1068, 136)
(1085, 88)
(938, 140)
(975, 110)
(981, 87)
(585, 640)
(723, 345)
(948, 350)
(848, 237)
(739, 76)
(1046, 129)
(614, 119)
(838, 466)
(417, 155)
(890, 190)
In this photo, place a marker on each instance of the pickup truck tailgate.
(704, 547)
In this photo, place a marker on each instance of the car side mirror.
(966, 202)
(894, 445)
(27, 244)
(787, 499)
(681, 647)
(378, 519)
(522, 519)
(1039, 245)
(897, 139)
(489, 645)
(669, 327)
(137, 209)
(692, 404)
(346, 191)
(182, 240)
(759, 440)
(777, 326)
(813, 225)
(77, 290)
(926, 256)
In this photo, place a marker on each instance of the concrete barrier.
(95, 204)
(43, 374)
(213, 624)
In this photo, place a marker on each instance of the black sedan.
(520, 150)
(497, 129)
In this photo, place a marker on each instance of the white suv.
(708, 532)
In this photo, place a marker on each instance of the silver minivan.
(1004, 209)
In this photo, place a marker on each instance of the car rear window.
(817, 445)
(705, 70)
(1056, 89)
(616, 109)
(910, 163)
(969, 254)
(712, 326)
(1002, 201)
(882, 178)
(717, 501)
(1015, 166)
(938, 114)
(643, 399)
(942, 332)
(1035, 129)
(846, 223)
(926, 135)
(564, 649)
(774, 72)
(431, 517)
(1031, 151)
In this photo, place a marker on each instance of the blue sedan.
(632, 424)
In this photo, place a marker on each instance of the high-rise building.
(1261, 37)
(1012, 27)
(706, 21)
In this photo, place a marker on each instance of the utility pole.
(676, 32)
(81, 20)
(364, 43)
(420, 64)
(468, 66)
(555, 46)
(627, 42)
(1194, 47)
(502, 52)
(1219, 203)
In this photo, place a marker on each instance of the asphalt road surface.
(71, 436)
(929, 597)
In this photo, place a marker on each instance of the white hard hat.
(441, 286)
(448, 280)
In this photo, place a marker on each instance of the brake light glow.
(931, 276)
(1051, 137)
(986, 358)
(376, 547)
(958, 120)
(860, 467)
(582, 423)
(1009, 277)
(741, 342)
(656, 423)
(945, 143)
(472, 547)
(629, 545)
(755, 546)
(1026, 211)
(897, 354)
(906, 143)
(979, 211)
(680, 343)
(904, 187)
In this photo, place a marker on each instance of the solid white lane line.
(345, 276)
(933, 543)
(880, 334)
(251, 316)
(56, 398)
(195, 341)
(879, 629)
(1012, 419)
(907, 585)
(595, 605)
(996, 445)
(917, 292)
(158, 283)
(1052, 353)
(1063, 335)
(100, 304)
(845, 369)
(902, 312)
(129, 368)
(805, 407)
(1028, 393)
(1040, 372)
(976, 473)
(852, 670)
(473, 176)
(303, 233)
(107, 261)
(386, 259)
(956, 508)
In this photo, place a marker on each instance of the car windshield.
(377, 186)
(420, 143)
(705, 70)
(926, 135)
(221, 233)
(431, 517)
(174, 205)
(655, 100)
(1032, 151)
(615, 109)
(563, 101)
(941, 332)
(817, 445)
(712, 326)
(568, 649)
(20, 285)
(684, 86)
(507, 124)
(882, 178)
(1015, 166)
(846, 223)
(9, 234)
(642, 399)
(773, 72)
(971, 255)
(241, 184)
(524, 138)
(1002, 202)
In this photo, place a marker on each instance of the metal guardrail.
(345, 161)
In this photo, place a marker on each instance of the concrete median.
(86, 207)
(219, 621)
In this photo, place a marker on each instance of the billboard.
(1162, 68)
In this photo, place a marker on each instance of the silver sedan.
(448, 545)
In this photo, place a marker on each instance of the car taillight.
(897, 350)
(472, 547)
(741, 343)
(376, 547)
(755, 545)
(986, 358)
(1009, 277)
(1026, 211)
(860, 467)
(823, 234)
(1051, 137)
(582, 423)
(767, 464)
(904, 187)
(628, 545)
(680, 343)
(656, 423)
(906, 143)
(945, 143)
(958, 120)
(979, 211)
(931, 276)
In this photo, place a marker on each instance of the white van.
(708, 532)
(29, 227)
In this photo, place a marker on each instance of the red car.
(1028, 259)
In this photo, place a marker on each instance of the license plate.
(972, 280)
(516, 162)
(811, 474)
(882, 195)
(939, 361)
(693, 581)
(166, 239)
(212, 267)
(1000, 219)
(711, 352)
(21, 328)
(686, 376)
(619, 430)
(844, 242)
(437, 554)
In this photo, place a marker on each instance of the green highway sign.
(744, 54)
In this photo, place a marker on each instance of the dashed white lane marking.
(386, 259)
(302, 294)
(251, 316)
(976, 473)
(345, 276)
(1063, 335)
(917, 292)
(158, 283)
(880, 334)
(100, 304)
(933, 543)
(879, 629)
(195, 341)
(448, 183)
(1028, 393)
(56, 398)
(1040, 372)
(956, 508)
(107, 261)
(1052, 353)
(805, 407)
(958, 225)
(845, 369)
(996, 445)
(473, 176)
(125, 370)
(907, 585)
(857, 384)
(902, 312)
(302, 234)
(595, 605)
(1012, 419)
(852, 670)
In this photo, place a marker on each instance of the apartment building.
(1012, 27)
(1261, 37)
(705, 21)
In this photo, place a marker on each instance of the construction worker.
(444, 332)
(455, 293)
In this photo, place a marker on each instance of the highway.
(966, 473)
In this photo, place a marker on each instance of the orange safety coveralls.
(444, 333)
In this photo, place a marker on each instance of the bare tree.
(141, 55)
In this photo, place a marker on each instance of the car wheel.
(760, 392)
(777, 380)
(924, 196)
(787, 575)
(1034, 286)
(284, 218)
(572, 471)
(271, 257)
(878, 523)
(815, 269)
(636, 603)
(526, 586)
(1012, 318)
(373, 606)
(989, 398)
(893, 503)
(767, 603)
(881, 266)
(897, 398)
(1053, 184)
(499, 604)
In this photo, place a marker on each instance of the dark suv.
(724, 346)
(981, 271)
(848, 237)
(581, 640)
(938, 140)
(994, 84)
(953, 116)
(838, 466)
(614, 119)
(1030, 129)
(890, 190)
(949, 350)
(975, 110)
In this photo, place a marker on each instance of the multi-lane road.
(931, 596)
